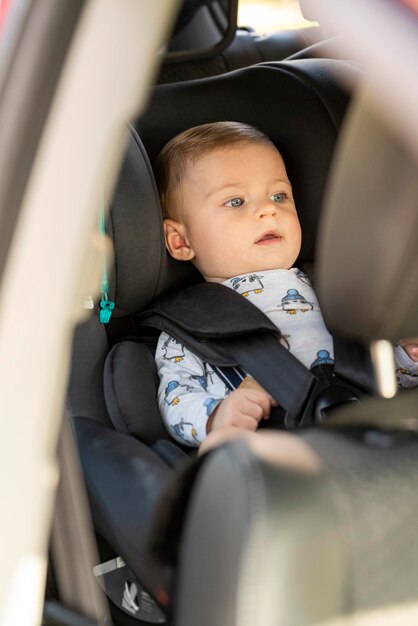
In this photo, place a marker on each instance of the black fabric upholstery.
(247, 48)
(85, 387)
(203, 308)
(330, 80)
(125, 479)
(130, 386)
(192, 70)
(136, 229)
(135, 203)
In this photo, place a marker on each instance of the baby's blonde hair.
(171, 164)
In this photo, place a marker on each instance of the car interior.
(207, 41)
(240, 536)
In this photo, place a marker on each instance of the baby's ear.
(176, 240)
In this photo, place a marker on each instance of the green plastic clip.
(106, 308)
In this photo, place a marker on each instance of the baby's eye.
(278, 197)
(234, 203)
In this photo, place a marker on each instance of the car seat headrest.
(368, 250)
(142, 264)
(298, 104)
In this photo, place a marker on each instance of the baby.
(228, 208)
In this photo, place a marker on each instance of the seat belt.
(196, 318)
(353, 363)
(260, 354)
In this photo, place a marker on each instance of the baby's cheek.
(412, 351)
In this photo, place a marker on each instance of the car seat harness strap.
(199, 318)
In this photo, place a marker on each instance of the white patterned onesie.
(189, 388)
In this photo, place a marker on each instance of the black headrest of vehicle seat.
(298, 104)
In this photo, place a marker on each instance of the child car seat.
(112, 389)
(333, 540)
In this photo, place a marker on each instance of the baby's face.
(238, 213)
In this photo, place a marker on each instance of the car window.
(268, 16)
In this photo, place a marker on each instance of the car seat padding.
(130, 383)
(125, 480)
(141, 261)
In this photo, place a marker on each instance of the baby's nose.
(267, 208)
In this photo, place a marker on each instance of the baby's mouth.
(271, 236)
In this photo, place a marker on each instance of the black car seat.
(124, 449)
(206, 41)
(246, 48)
(325, 534)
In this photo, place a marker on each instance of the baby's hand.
(411, 348)
(242, 408)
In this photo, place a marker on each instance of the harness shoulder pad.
(208, 311)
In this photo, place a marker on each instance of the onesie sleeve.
(406, 369)
(183, 397)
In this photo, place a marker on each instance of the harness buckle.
(330, 399)
(328, 393)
